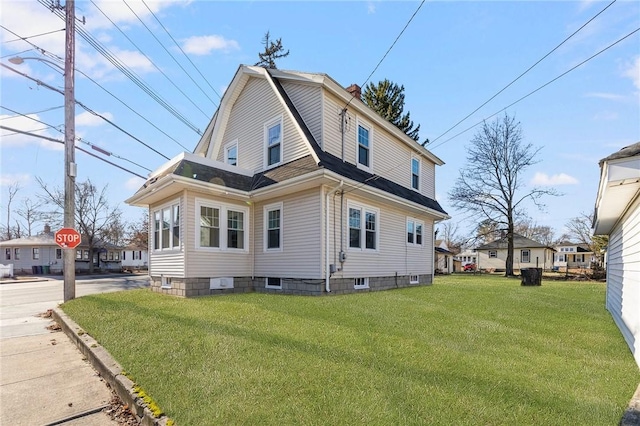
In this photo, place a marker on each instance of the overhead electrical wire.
(37, 35)
(14, 54)
(183, 52)
(77, 147)
(79, 139)
(61, 60)
(127, 72)
(86, 108)
(150, 60)
(377, 176)
(37, 112)
(525, 72)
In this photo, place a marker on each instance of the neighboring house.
(41, 251)
(617, 214)
(573, 255)
(466, 257)
(296, 186)
(134, 257)
(444, 257)
(527, 253)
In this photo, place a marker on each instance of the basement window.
(165, 282)
(275, 283)
(413, 279)
(359, 283)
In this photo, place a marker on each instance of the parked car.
(469, 267)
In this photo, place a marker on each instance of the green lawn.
(478, 350)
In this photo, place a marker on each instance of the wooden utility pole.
(69, 148)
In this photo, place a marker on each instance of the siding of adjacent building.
(623, 277)
(301, 241)
(543, 256)
(394, 255)
(47, 256)
(257, 105)
(308, 101)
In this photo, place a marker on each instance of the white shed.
(617, 215)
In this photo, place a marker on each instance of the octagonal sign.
(67, 238)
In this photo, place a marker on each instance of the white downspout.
(326, 236)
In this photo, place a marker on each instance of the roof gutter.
(327, 274)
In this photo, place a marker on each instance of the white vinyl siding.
(538, 257)
(308, 101)
(393, 254)
(623, 277)
(214, 262)
(302, 239)
(246, 125)
(168, 262)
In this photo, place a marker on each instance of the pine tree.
(272, 51)
(387, 99)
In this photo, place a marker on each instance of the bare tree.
(272, 51)
(529, 229)
(31, 214)
(450, 234)
(139, 231)
(491, 185)
(93, 214)
(13, 189)
(579, 230)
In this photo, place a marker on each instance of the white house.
(134, 257)
(444, 257)
(527, 253)
(296, 186)
(617, 214)
(572, 255)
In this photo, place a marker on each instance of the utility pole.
(70, 166)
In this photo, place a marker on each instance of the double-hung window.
(231, 153)
(414, 232)
(7, 254)
(525, 256)
(58, 254)
(35, 253)
(363, 227)
(273, 142)
(415, 173)
(221, 226)
(16, 254)
(364, 143)
(166, 227)
(273, 227)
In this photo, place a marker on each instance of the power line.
(61, 60)
(539, 88)
(79, 139)
(389, 50)
(127, 72)
(33, 113)
(525, 72)
(86, 108)
(37, 35)
(149, 59)
(77, 147)
(15, 54)
(183, 52)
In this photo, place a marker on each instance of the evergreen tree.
(387, 99)
(272, 51)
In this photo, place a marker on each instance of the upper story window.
(221, 226)
(273, 142)
(363, 227)
(414, 232)
(166, 227)
(364, 142)
(231, 153)
(273, 227)
(415, 173)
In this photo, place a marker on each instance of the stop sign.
(67, 238)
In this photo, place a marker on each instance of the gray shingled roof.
(518, 242)
(627, 151)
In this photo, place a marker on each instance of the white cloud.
(608, 96)
(606, 116)
(632, 71)
(88, 119)
(371, 8)
(203, 45)
(544, 179)
(120, 13)
(134, 183)
(21, 179)
(25, 124)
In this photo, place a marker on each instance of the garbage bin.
(34, 269)
(531, 276)
(46, 269)
(38, 270)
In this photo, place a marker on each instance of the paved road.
(21, 302)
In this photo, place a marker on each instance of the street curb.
(631, 416)
(107, 368)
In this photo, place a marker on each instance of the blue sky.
(451, 59)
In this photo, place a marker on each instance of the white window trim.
(266, 210)
(522, 255)
(279, 119)
(165, 282)
(364, 209)
(414, 279)
(223, 208)
(169, 205)
(363, 280)
(416, 222)
(275, 287)
(414, 157)
(227, 147)
(369, 127)
(495, 252)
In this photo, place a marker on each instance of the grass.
(468, 350)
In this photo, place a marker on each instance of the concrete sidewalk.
(44, 379)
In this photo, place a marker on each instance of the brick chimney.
(47, 229)
(355, 91)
